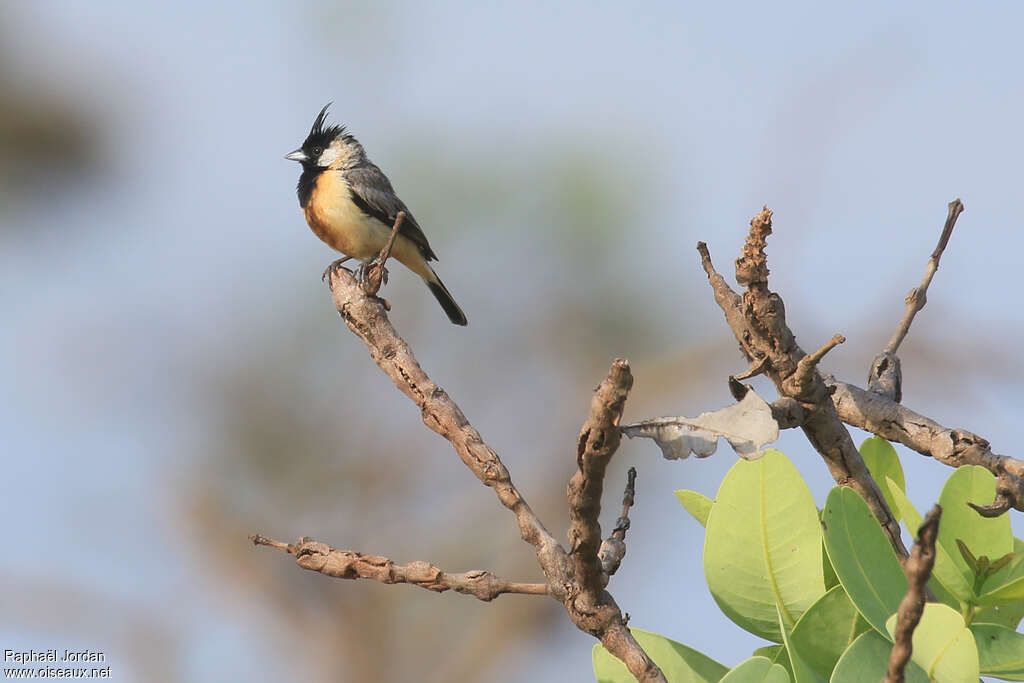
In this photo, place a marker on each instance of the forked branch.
(576, 579)
(886, 376)
(758, 321)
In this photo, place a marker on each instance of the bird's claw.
(362, 273)
(333, 268)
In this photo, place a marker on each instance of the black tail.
(444, 298)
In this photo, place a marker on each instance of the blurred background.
(174, 376)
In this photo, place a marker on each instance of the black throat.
(306, 183)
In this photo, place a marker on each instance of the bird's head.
(327, 146)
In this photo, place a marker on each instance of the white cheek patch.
(330, 155)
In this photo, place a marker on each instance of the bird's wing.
(373, 194)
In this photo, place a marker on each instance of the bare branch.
(1001, 504)
(886, 375)
(376, 274)
(918, 297)
(385, 253)
(884, 417)
(618, 640)
(806, 367)
(597, 442)
(788, 412)
(752, 265)
(729, 301)
(614, 547)
(590, 607)
(918, 569)
(365, 316)
(349, 564)
(756, 368)
(758, 321)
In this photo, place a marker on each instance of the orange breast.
(336, 220)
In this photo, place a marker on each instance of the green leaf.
(826, 629)
(677, 661)
(989, 537)
(947, 582)
(1006, 614)
(831, 580)
(1008, 568)
(697, 504)
(1008, 592)
(943, 594)
(943, 646)
(862, 557)
(756, 670)
(763, 545)
(911, 517)
(1000, 651)
(884, 463)
(799, 670)
(1009, 612)
(969, 558)
(867, 659)
(777, 654)
(1015, 568)
(1002, 563)
(772, 652)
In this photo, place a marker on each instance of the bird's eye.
(317, 151)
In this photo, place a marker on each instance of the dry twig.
(366, 317)
(918, 568)
(376, 274)
(758, 321)
(348, 564)
(598, 440)
(576, 580)
(881, 415)
(614, 547)
(886, 377)
(877, 411)
(807, 368)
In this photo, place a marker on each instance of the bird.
(350, 204)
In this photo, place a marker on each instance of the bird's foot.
(370, 272)
(333, 268)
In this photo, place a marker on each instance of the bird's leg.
(362, 271)
(376, 263)
(333, 268)
(373, 274)
(365, 272)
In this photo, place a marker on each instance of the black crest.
(319, 136)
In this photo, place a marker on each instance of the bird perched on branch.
(350, 204)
